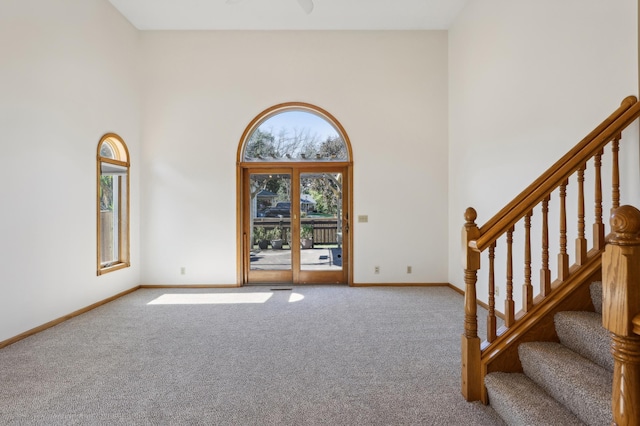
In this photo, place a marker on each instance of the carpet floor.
(314, 355)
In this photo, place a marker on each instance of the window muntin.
(113, 204)
(295, 135)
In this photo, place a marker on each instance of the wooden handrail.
(622, 117)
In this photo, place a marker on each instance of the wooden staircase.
(567, 383)
(535, 218)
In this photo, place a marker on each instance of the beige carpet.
(316, 355)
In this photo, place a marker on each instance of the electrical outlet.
(183, 270)
(497, 291)
(376, 269)
(409, 269)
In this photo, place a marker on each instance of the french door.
(295, 225)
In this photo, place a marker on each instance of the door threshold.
(273, 286)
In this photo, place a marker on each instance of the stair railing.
(497, 235)
(621, 312)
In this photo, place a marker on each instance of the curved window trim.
(121, 154)
(292, 106)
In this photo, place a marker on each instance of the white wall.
(201, 89)
(67, 76)
(527, 81)
(519, 82)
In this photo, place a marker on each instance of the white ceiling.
(288, 15)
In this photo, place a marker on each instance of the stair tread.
(582, 332)
(577, 383)
(519, 401)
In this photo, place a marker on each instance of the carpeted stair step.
(582, 332)
(577, 383)
(519, 401)
(596, 295)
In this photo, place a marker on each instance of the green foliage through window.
(106, 193)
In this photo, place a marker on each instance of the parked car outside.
(281, 209)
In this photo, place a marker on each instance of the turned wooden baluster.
(471, 374)
(527, 288)
(545, 272)
(491, 318)
(509, 306)
(598, 226)
(620, 305)
(615, 174)
(563, 257)
(581, 241)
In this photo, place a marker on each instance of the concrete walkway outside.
(315, 259)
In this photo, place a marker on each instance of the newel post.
(471, 374)
(620, 304)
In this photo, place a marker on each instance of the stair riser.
(582, 332)
(596, 296)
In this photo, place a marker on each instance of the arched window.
(113, 204)
(295, 134)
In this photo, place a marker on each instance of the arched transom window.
(298, 135)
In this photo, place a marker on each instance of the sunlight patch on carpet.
(295, 297)
(211, 299)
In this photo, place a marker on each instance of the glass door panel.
(321, 221)
(270, 214)
(295, 226)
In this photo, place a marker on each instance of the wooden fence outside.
(325, 230)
